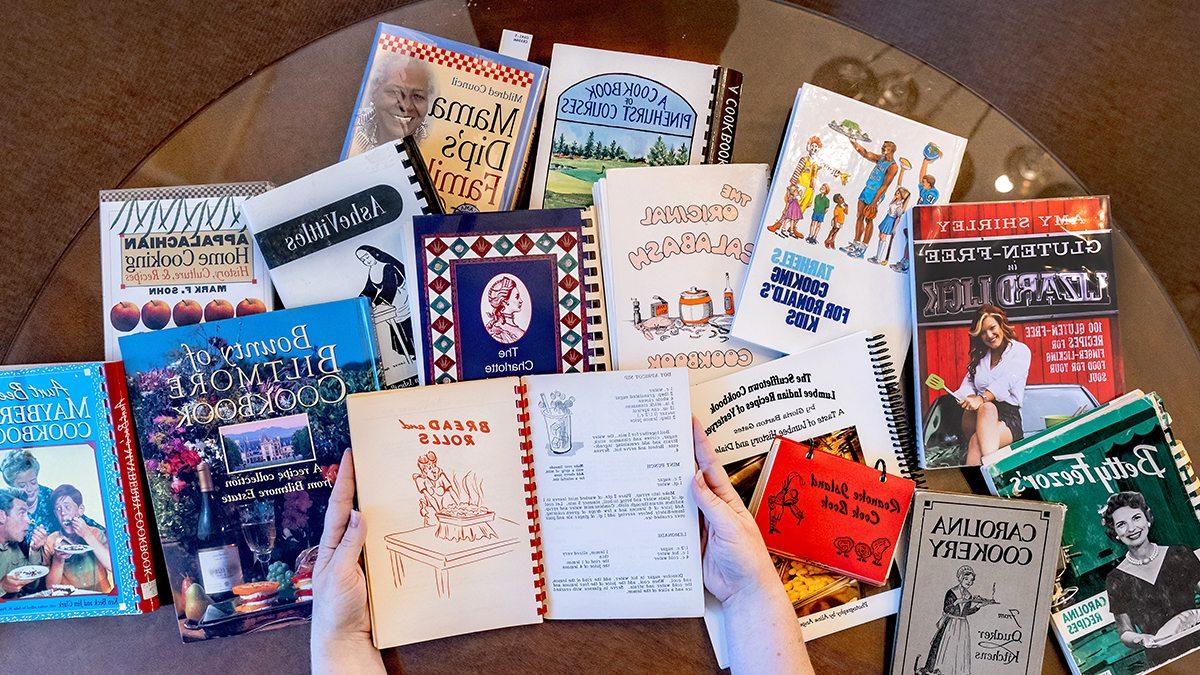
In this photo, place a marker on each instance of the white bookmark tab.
(515, 44)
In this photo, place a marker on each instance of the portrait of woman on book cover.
(385, 281)
(993, 390)
(950, 650)
(1152, 591)
(396, 102)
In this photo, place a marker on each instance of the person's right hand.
(735, 559)
(38, 539)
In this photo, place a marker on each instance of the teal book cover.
(242, 424)
(1125, 596)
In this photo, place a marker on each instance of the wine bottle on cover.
(216, 545)
(728, 296)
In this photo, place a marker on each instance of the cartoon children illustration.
(926, 194)
(872, 193)
(800, 191)
(820, 206)
(786, 225)
(887, 226)
(839, 218)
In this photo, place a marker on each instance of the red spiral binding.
(535, 527)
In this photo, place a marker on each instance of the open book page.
(440, 486)
(613, 462)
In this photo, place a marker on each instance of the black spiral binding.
(887, 380)
(418, 175)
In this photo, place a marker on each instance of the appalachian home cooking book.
(176, 256)
(675, 243)
(242, 424)
(829, 259)
(471, 111)
(75, 541)
(1126, 599)
(607, 110)
(346, 230)
(504, 501)
(978, 584)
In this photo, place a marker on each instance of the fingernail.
(700, 478)
(355, 517)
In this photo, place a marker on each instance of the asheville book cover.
(242, 424)
(73, 530)
(471, 111)
(501, 294)
(1125, 596)
(1015, 308)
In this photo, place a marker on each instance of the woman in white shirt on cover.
(993, 390)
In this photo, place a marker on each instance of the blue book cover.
(501, 294)
(471, 111)
(73, 539)
(242, 424)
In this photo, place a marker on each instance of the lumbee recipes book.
(241, 425)
(346, 230)
(471, 111)
(176, 256)
(978, 585)
(829, 259)
(1037, 277)
(607, 110)
(499, 502)
(1124, 599)
(74, 540)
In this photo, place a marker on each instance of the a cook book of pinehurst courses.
(1124, 601)
(978, 585)
(345, 231)
(242, 426)
(607, 110)
(176, 256)
(1039, 272)
(504, 501)
(472, 112)
(74, 537)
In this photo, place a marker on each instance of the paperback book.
(242, 425)
(675, 243)
(608, 110)
(1015, 305)
(345, 231)
(1125, 595)
(830, 258)
(176, 256)
(978, 584)
(74, 540)
(470, 110)
(500, 294)
(507, 501)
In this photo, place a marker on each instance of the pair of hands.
(972, 402)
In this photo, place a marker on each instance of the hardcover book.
(242, 424)
(1015, 305)
(500, 294)
(607, 110)
(501, 502)
(978, 584)
(345, 231)
(471, 111)
(1125, 596)
(176, 256)
(830, 258)
(675, 244)
(73, 531)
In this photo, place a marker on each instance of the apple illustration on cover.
(156, 314)
(124, 316)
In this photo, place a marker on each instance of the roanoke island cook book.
(241, 425)
(471, 111)
(608, 110)
(1125, 600)
(1037, 278)
(499, 502)
(345, 231)
(978, 584)
(675, 244)
(500, 294)
(829, 259)
(74, 541)
(176, 256)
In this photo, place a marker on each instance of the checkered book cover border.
(451, 59)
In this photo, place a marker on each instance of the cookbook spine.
(531, 506)
(598, 349)
(136, 519)
(891, 395)
(723, 116)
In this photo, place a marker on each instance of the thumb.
(720, 516)
(350, 547)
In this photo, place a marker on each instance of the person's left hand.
(38, 539)
(972, 402)
(339, 585)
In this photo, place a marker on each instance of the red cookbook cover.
(831, 511)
